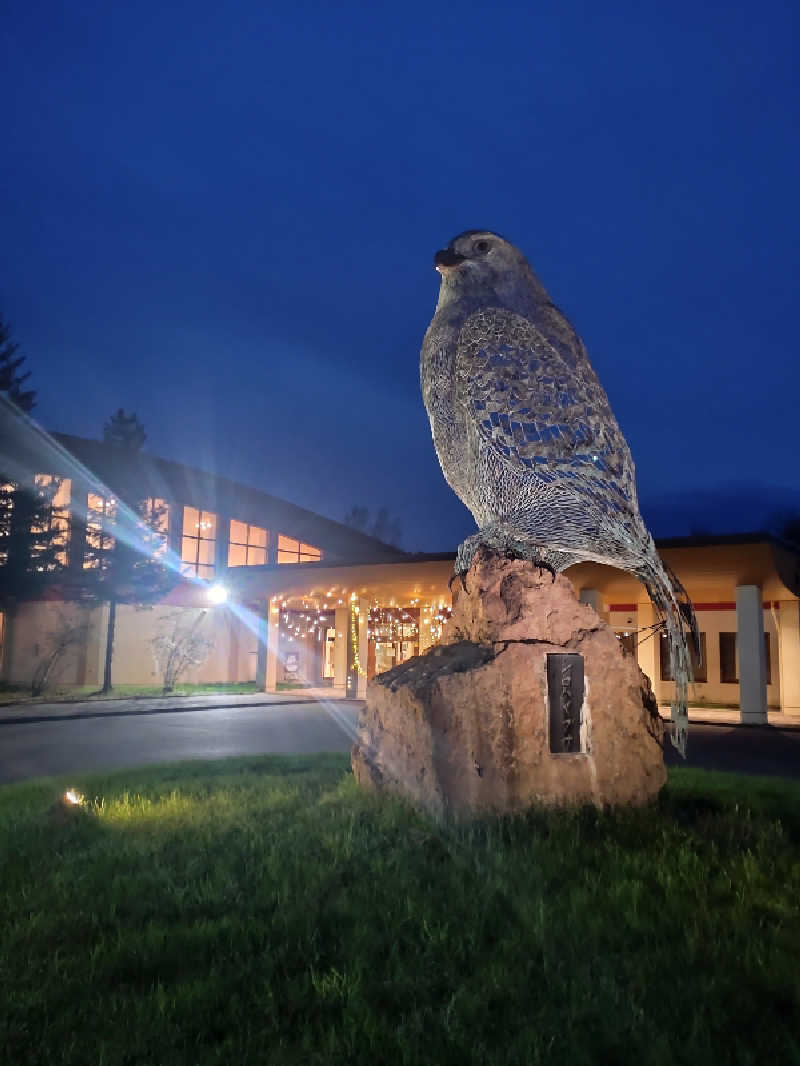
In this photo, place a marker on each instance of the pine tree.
(124, 431)
(126, 543)
(11, 381)
(32, 529)
(383, 526)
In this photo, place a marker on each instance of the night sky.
(223, 217)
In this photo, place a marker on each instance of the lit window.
(155, 513)
(6, 507)
(294, 551)
(247, 545)
(199, 542)
(58, 523)
(101, 512)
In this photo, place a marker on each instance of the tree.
(32, 527)
(785, 525)
(126, 543)
(34, 537)
(382, 527)
(68, 633)
(11, 381)
(124, 431)
(180, 644)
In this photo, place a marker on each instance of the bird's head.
(485, 265)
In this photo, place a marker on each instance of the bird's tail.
(675, 609)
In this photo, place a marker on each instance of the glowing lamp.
(217, 594)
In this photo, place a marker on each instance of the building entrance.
(393, 634)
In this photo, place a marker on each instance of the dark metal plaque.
(565, 699)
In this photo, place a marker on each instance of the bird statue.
(526, 438)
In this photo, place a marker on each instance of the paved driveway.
(742, 749)
(129, 737)
(42, 748)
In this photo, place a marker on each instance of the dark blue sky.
(223, 217)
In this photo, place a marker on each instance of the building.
(309, 601)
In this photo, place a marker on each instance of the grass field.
(72, 693)
(264, 910)
(20, 694)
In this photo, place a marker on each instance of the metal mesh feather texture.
(528, 441)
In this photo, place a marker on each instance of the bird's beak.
(447, 260)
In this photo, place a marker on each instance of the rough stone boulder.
(531, 699)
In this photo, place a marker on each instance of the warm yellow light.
(72, 797)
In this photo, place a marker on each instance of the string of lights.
(402, 631)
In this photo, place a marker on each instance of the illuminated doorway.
(393, 637)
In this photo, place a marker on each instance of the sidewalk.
(14, 714)
(730, 717)
(46, 712)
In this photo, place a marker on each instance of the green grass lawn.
(263, 910)
(69, 693)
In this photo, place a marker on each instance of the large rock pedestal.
(466, 728)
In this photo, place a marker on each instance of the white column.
(342, 624)
(268, 638)
(789, 655)
(363, 647)
(752, 667)
(261, 651)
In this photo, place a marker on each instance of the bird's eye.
(482, 247)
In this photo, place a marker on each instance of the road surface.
(38, 749)
(43, 748)
(743, 749)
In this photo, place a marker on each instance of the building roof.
(26, 449)
(126, 474)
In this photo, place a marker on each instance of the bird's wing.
(538, 404)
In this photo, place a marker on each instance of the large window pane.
(205, 552)
(198, 544)
(238, 534)
(699, 666)
(59, 513)
(665, 657)
(155, 516)
(237, 555)
(728, 674)
(699, 671)
(293, 551)
(100, 514)
(247, 544)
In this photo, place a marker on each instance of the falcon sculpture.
(526, 438)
